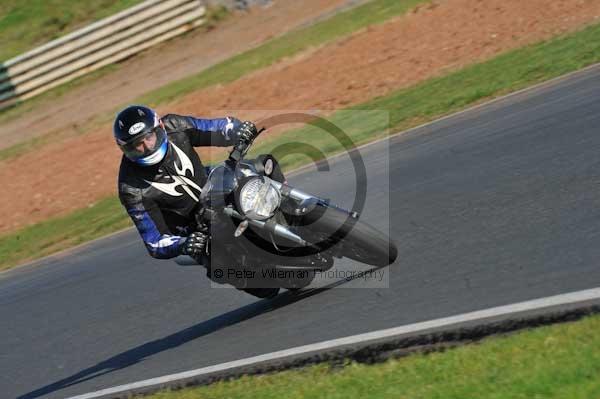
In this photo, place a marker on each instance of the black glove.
(246, 131)
(194, 244)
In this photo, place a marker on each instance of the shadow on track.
(139, 353)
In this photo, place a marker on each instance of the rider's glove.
(194, 244)
(246, 131)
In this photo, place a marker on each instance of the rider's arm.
(148, 219)
(204, 132)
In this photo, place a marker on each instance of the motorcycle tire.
(359, 240)
(263, 293)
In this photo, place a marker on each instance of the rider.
(161, 176)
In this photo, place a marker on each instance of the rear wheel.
(355, 239)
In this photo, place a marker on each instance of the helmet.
(141, 135)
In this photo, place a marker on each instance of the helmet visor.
(145, 144)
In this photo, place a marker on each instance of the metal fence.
(101, 43)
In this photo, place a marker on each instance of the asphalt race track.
(497, 205)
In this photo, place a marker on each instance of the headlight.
(259, 199)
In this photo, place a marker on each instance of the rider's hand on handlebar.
(194, 244)
(246, 132)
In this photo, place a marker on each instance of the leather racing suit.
(162, 199)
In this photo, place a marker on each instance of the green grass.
(560, 361)
(27, 24)
(408, 107)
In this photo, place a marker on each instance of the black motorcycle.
(266, 235)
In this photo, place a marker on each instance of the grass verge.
(426, 101)
(26, 24)
(560, 361)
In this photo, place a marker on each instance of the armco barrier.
(101, 43)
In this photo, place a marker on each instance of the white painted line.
(536, 304)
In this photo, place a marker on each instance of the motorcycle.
(266, 235)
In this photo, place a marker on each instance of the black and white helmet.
(140, 134)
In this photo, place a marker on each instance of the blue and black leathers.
(162, 199)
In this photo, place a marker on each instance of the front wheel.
(263, 293)
(300, 279)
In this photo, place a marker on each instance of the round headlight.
(259, 199)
